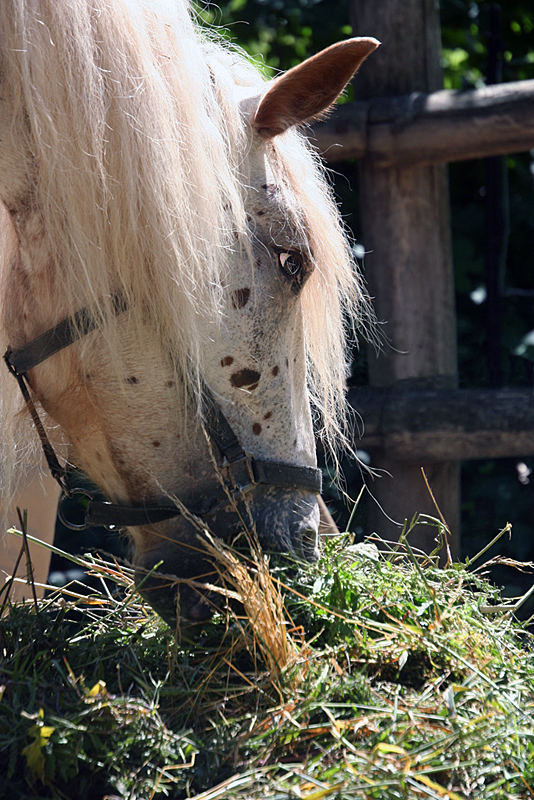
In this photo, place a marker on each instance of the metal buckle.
(73, 526)
(11, 367)
(240, 483)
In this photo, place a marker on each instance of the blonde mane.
(137, 152)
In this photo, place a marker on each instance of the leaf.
(98, 690)
(384, 747)
(34, 752)
(325, 792)
(403, 658)
(450, 795)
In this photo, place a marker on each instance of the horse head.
(197, 344)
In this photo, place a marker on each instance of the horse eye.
(291, 263)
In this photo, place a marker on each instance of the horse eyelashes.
(295, 267)
(291, 263)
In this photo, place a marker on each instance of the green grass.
(372, 674)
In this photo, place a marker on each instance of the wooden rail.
(404, 224)
(403, 130)
(421, 425)
(430, 128)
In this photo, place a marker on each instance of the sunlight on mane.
(122, 106)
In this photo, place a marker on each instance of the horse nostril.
(306, 542)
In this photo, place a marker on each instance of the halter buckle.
(240, 474)
(74, 526)
(8, 355)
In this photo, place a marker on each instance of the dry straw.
(263, 623)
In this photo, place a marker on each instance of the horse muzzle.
(176, 573)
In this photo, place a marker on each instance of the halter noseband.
(240, 472)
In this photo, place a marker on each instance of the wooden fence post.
(406, 233)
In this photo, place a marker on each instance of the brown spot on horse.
(245, 379)
(240, 297)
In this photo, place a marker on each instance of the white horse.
(157, 186)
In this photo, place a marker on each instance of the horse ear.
(308, 90)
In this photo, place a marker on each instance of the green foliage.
(402, 686)
(466, 29)
(64, 700)
(280, 33)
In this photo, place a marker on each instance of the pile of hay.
(372, 674)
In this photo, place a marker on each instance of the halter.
(240, 472)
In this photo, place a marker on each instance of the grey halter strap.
(240, 472)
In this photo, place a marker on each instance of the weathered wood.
(430, 128)
(421, 425)
(496, 221)
(406, 231)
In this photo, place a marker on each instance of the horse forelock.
(138, 149)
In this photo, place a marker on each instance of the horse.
(176, 280)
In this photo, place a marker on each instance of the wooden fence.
(404, 128)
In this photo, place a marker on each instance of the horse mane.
(124, 103)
